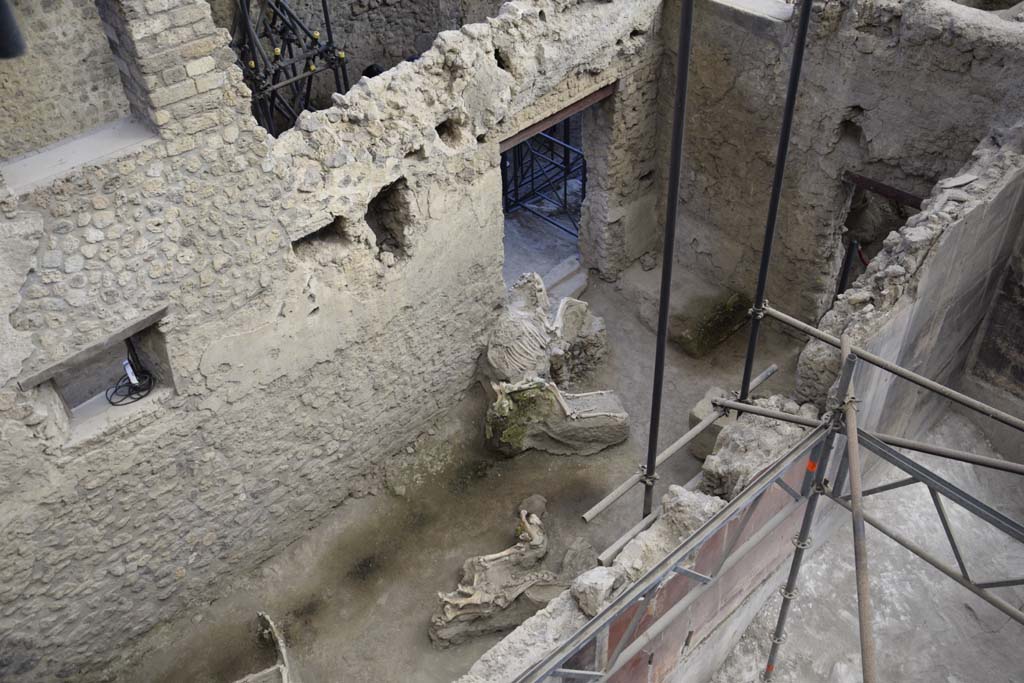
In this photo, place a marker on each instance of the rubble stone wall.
(898, 91)
(383, 32)
(327, 292)
(922, 300)
(66, 82)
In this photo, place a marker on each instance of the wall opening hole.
(111, 380)
(542, 15)
(449, 132)
(328, 246)
(500, 58)
(637, 32)
(389, 217)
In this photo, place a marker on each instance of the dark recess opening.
(449, 132)
(389, 214)
(327, 246)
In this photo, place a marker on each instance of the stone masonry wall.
(303, 345)
(384, 32)
(66, 82)
(900, 92)
(923, 298)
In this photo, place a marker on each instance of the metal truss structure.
(280, 57)
(539, 169)
(804, 472)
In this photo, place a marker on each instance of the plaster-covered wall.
(924, 297)
(901, 92)
(64, 84)
(302, 347)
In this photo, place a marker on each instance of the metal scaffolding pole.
(698, 429)
(997, 602)
(803, 540)
(860, 551)
(672, 211)
(773, 205)
(895, 369)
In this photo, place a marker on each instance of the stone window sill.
(109, 141)
(96, 417)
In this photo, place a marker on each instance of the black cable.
(126, 391)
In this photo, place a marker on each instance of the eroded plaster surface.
(328, 293)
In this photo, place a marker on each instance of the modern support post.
(675, 172)
(816, 468)
(860, 553)
(773, 206)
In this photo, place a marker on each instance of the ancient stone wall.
(901, 92)
(922, 299)
(66, 82)
(382, 32)
(327, 293)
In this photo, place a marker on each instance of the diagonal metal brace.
(937, 483)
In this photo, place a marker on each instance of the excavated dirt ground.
(926, 627)
(355, 595)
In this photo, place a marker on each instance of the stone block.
(702, 314)
(162, 97)
(210, 81)
(593, 589)
(704, 444)
(200, 66)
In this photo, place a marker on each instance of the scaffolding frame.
(280, 56)
(585, 654)
(539, 170)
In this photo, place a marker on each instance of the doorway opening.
(544, 183)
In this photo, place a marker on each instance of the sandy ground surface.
(355, 595)
(926, 627)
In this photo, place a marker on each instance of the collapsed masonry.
(683, 511)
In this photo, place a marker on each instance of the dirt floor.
(926, 627)
(532, 244)
(355, 596)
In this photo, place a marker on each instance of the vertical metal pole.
(860, 557)
(818, 466)
(773, 206)
(675, 172)
(333, 47)
(567, 162)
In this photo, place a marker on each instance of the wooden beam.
(887, 191)
(573, 109)
(27, 382)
